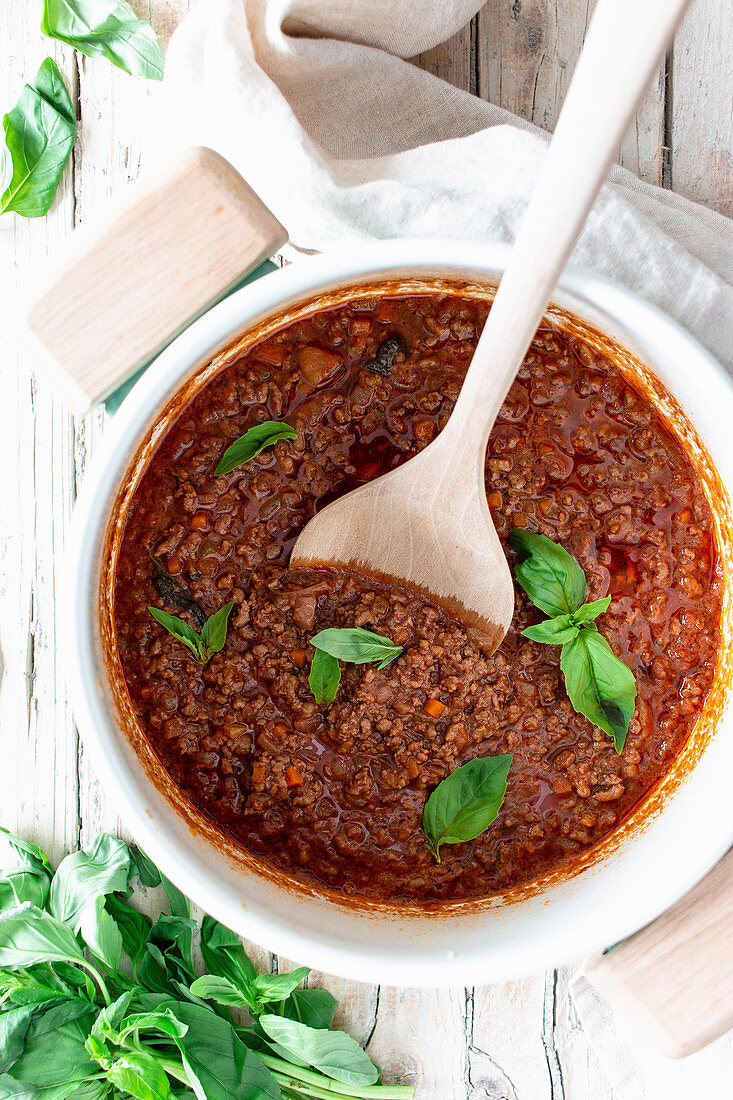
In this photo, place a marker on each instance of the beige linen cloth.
(313, 102)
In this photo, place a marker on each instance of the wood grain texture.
(454, 60)
(527, 51)
(701, 109)
(516, 1041)
(674, 978)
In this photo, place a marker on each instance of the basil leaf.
(25, 875)
(314, 1007)
(553, 631)
(325, 677)
(174, 936)
(142, 866)
(179, 903)
(6, 168)
(164, 1023)
(29, 935)
(134, 927)
(180, 630)
(356, 645)
(466, 802)
(14, 1024)
(110, 1018)
(105, 28)
(590, 611)
(152, 972)
(549, 575)
(223, 953)
(213, 988)
(101, 934)
(40, 131)
(332, 1052)
(252, 442)
(139, 1075)
(276, 987)
(214, 632)
(89, 1090)
(54, 1058)
(15, 852)
(83, 876)
(598, 684)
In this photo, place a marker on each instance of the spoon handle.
(625, 44)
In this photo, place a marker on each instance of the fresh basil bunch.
(598, 684)
(97, 1000)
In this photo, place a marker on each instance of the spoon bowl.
(402, 528)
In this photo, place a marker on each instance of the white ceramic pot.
(659, 854)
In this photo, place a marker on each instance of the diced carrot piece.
(199, 521)
(173, 564)
(495, 500)
(434, 708)
(259, 772)
(293, 777)
(299, 657)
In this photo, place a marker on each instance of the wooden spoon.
(427, 523)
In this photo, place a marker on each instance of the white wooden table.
(518, 1041)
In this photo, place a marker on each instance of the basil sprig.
(77, 1021)
(253, 441)
(213, 633)
(105, 28)
(39, 135)
(466, 802)
(356, 646)
(598, 684)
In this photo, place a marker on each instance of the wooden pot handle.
(673, 980)
(174, 245)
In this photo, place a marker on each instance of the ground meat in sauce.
(335, 795)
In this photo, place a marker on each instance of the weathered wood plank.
(526, 53)
(701, 155)
(453, 60)
(420, 1038)
(38, 780)
(508, 1051)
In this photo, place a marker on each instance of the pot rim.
(166, 837)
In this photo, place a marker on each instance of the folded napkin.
(312, 102)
